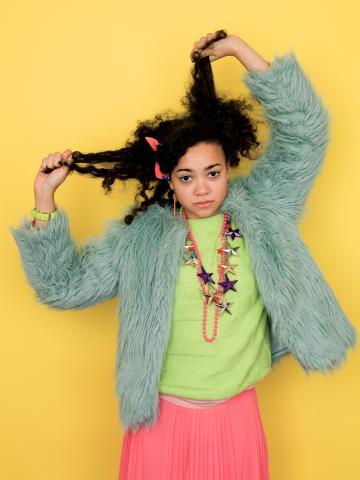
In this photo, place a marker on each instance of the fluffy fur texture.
(305, 318)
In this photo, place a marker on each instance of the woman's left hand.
(220, 48)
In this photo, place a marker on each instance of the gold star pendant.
(210, 294)
(223, 307)
(190, 260)
(230, 250)
(229, 268)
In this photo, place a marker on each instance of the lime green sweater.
(240, 354)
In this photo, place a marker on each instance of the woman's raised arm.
(299, 136)
(299, 124)
(63, 276)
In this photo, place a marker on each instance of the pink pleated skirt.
(222, 442)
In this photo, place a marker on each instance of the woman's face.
(201, 175)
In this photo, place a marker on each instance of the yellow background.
(79, 75)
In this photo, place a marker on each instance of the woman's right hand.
(52, 173)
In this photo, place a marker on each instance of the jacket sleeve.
(278, 350)
(299, 134)
(64, 276)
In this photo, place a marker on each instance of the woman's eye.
(188, 176)
(185, 176)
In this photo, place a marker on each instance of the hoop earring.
(174, 200)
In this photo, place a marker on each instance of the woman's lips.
(204, 204)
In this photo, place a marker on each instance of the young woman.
(215, 281)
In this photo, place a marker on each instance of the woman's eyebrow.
(206, 168)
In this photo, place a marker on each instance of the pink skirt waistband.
(194, 403)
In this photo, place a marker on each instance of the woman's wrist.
(45, 204)
(248, 57)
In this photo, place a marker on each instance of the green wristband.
(43, 215)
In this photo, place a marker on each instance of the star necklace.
(208, 291)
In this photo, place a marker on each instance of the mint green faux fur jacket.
(139, 262)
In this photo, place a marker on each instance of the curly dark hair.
(208, 117)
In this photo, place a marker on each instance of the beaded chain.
(192, 257)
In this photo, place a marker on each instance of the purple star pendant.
(227, 284)
(233, 233)
(206, 277)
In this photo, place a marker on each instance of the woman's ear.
(171, 185)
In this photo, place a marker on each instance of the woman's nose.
(201, 189)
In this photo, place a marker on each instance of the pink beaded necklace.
(208, 291)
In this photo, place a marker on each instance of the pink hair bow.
(154, 145)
